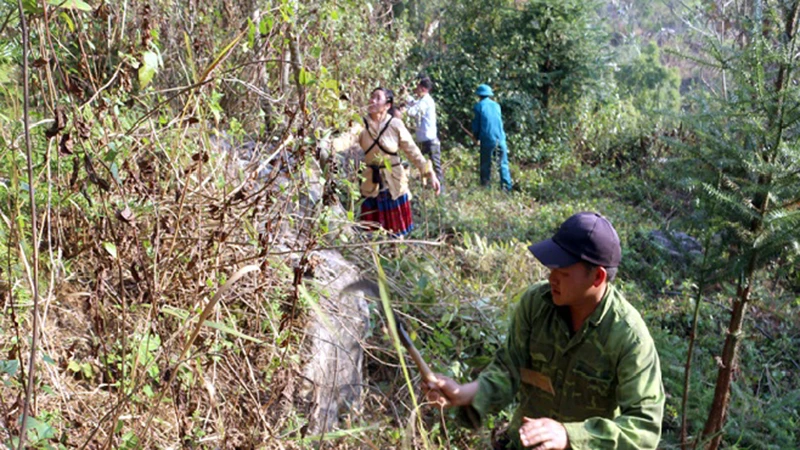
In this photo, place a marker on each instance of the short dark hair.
(426, 82)
(611, 272)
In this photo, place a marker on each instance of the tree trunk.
(285, 70)
(730, 352)
(727, 366)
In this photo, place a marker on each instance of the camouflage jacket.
(603, 383)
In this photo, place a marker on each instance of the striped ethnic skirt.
(393, 216)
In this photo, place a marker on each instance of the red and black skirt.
(392, 215)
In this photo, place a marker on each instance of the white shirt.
(424, 110)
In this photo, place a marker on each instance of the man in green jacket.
(578, 357)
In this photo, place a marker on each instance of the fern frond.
(732, 203)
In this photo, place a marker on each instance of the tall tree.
(747, 137)
(542, 55)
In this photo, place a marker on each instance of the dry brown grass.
(166, 239)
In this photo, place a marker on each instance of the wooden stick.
(469, 133)
(426, 371)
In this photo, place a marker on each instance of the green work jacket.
(603, 383)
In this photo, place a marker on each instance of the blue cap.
(586, 236)
(484, 91)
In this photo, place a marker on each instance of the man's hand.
(540, 434)
(446, 392)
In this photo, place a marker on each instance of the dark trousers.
(433, 150)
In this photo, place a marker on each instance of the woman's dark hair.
(394, 108)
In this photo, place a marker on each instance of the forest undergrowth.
(183, 186)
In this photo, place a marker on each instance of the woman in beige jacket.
(385, 187)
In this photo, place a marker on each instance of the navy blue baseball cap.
(586, 236)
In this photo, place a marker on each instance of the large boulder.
(335, 358)
(335, 330)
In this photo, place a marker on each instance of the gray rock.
(337, 329)
(676, 244)
(336, 354)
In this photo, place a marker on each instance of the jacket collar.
(605, 304)
(597, 315)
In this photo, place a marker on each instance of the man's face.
(570, 285)
(420, 90)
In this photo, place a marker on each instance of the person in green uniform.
(578, 357)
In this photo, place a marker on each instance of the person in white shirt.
(423, 109)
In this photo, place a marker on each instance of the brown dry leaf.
(73, 86)
(84, 131)
(127, 216)
(101, 12)
(93, 177)
(311, 265)
(65, 146)
(200, 156)
(76, 167)
(59, 124)
(40, 62)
